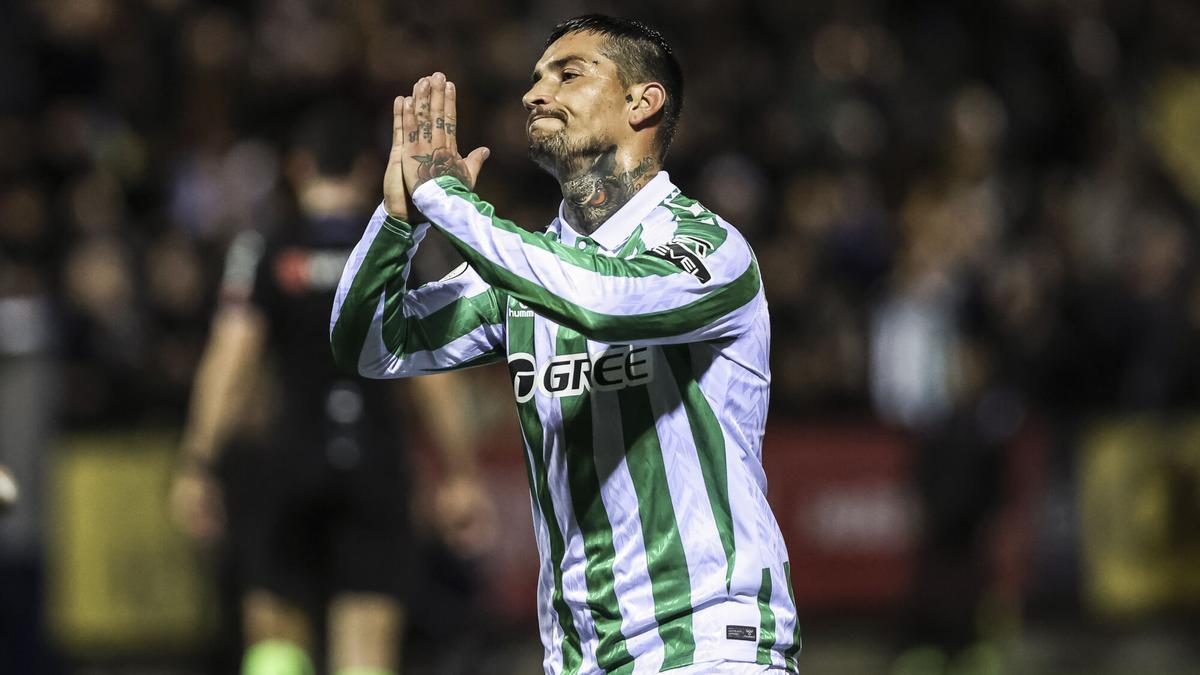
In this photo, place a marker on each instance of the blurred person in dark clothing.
(936, 376)
(28, 416)
(958, 476)
(316, 505)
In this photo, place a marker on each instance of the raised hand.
(430, 136)
(395, 194)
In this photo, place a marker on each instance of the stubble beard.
(560, 157)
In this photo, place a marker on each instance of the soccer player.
(636, 333)
(317, 511)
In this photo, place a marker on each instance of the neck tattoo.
(601, 189)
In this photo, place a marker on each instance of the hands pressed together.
(425, 143)
(424, 147)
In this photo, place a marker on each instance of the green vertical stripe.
(385, 258)
(710, 448)
(766, 627)
(382, 272)
(790, 654)
(520, 339)
(395, 327)
(403, 335)
(583, 479)
(666, 561)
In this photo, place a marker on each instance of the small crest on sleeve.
(686, 253)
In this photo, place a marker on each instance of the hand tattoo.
(441, 162)
(423, 124)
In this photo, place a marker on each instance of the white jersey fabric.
(639, 361)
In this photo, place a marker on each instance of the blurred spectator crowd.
(986, 202)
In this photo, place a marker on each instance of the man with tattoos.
(636, 333)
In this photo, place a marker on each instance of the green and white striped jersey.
(638, 358)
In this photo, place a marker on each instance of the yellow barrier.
(122, 579)
(1140, 513)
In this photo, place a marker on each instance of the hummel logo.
(519, 310)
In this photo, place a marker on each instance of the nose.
(536, 96)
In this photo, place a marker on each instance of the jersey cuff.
(432, 187)
(397, 226)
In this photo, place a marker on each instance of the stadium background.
(977, 225)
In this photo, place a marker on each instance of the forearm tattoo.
(603, 189)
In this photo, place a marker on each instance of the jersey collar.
(614, 232)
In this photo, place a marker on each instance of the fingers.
(437, 109)
(474, 162)
(421, 105)
(414, 146)
(397, 121)
(395, 192)
(451, 116)
(408, 116)
(429, 123)
(397, 136)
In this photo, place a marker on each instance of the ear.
(647, 101)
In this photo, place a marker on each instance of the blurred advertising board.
(843, 500)
(1139, 492)
(843, 497)
(122, 579)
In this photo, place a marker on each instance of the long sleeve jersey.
(638, 358)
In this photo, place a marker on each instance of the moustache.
(539, 113)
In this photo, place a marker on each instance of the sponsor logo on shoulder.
(686, 253)
(572, 374)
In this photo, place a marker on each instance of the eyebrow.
(559, 63)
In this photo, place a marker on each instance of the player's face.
(577, 106)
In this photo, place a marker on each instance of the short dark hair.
(641, 55)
